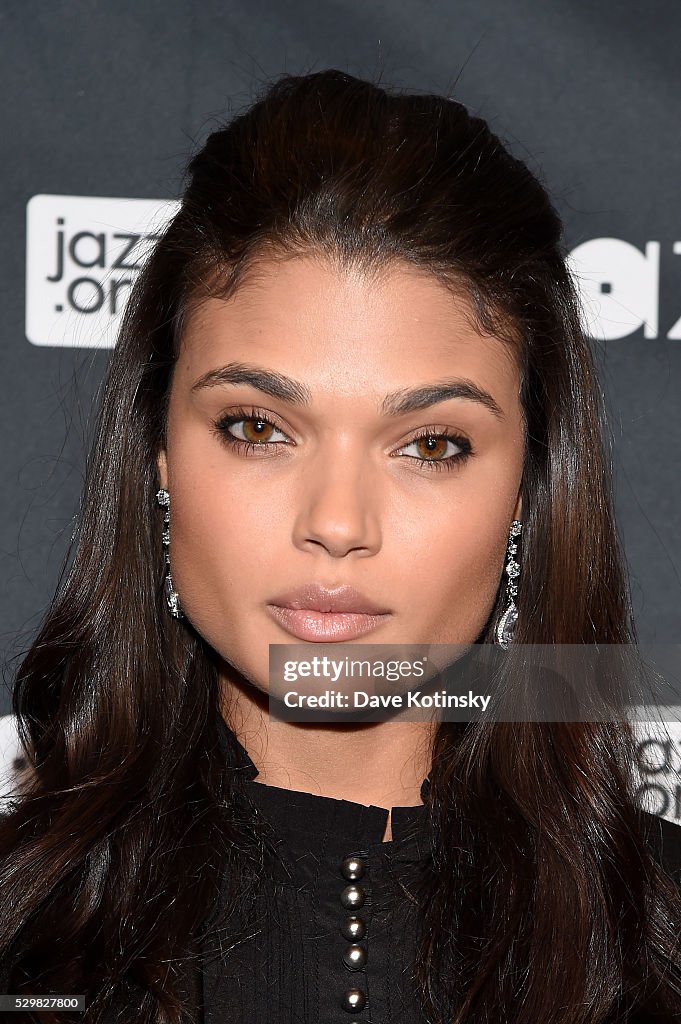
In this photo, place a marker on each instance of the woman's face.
(346, 481)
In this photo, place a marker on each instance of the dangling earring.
(172, 597)
(506, 625)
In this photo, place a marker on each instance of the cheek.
(219, 543)
(453, 560)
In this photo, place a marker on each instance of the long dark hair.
(549, 905)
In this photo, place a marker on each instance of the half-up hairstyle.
(548, 903)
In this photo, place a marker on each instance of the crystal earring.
(506, 625)
(172, 597)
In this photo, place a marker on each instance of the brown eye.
(432, 450)
(256, 430)
(248, 429)
(435, 447)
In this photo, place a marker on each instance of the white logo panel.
(83, 254)
(618, 286)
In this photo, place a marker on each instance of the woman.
(353, 378)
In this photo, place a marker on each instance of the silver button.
(355, 957)
(353, 928)
(352, 896)
(352, 868)
(353, 1000)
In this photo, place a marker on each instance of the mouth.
(326, 627)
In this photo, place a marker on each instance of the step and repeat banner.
(103, 106)
(83, 252)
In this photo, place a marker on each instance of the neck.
(379, 763)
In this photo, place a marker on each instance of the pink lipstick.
(320, 614)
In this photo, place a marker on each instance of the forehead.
(342, 328)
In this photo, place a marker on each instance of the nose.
(338, 509)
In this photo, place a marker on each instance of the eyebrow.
(397, 403)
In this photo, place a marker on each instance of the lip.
(324, 627)
(318, 598)
(317, 613)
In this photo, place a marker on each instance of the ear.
(162, 469)
(518, 507)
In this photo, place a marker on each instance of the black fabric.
(289, 966)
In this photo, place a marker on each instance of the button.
(353, 928)
(352, 868)
(352, 896)
(353, 1000)
(355, 957)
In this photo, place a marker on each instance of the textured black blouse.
(330, 936)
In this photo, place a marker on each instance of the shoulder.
(664, 836)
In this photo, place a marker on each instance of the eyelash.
(221, 428)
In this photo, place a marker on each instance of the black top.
(330, 936)
(298, 958)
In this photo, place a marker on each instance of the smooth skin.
(338, 492)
